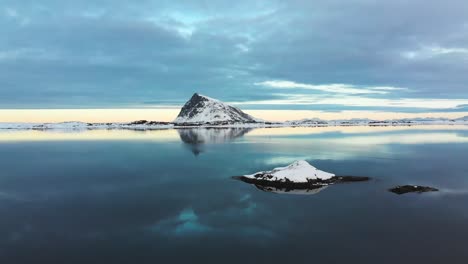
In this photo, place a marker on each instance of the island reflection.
(292, 191)
(196, 138)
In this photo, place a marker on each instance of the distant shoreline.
(156, 125)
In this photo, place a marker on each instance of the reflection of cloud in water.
(375, 146)
(188, 223)
(93, 135)
(284, 159)
(217, 222)
(382, 139)
(448, 191)
(462, 133)
(217, 135)
(185, 223)
(419, 138)
(289, 131)
(195, 138)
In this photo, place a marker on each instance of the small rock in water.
(412, 188)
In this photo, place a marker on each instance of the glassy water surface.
(167, 196)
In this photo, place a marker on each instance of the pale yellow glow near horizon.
(127, 115)
(86, 115)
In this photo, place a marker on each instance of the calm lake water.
(168, 197)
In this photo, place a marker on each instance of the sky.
(325, 55)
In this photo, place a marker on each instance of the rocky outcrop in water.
(412, 189)
(299, 175)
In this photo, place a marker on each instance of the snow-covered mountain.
(202, 109)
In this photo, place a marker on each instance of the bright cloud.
(350, 95)
(361, 101)
(330, 88)
(433, 51)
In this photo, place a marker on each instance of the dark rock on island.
(309, 191)
(290, 185)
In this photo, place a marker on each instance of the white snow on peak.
(298, 171)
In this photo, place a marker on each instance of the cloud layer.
(358, 54)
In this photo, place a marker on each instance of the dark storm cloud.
(126, 53)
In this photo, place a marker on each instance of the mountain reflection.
(196, 138)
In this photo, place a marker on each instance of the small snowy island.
(299, 175)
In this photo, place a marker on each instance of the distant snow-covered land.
(203, 111)
(153, 125)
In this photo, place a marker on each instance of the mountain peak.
(203, 109)
(197, 96)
